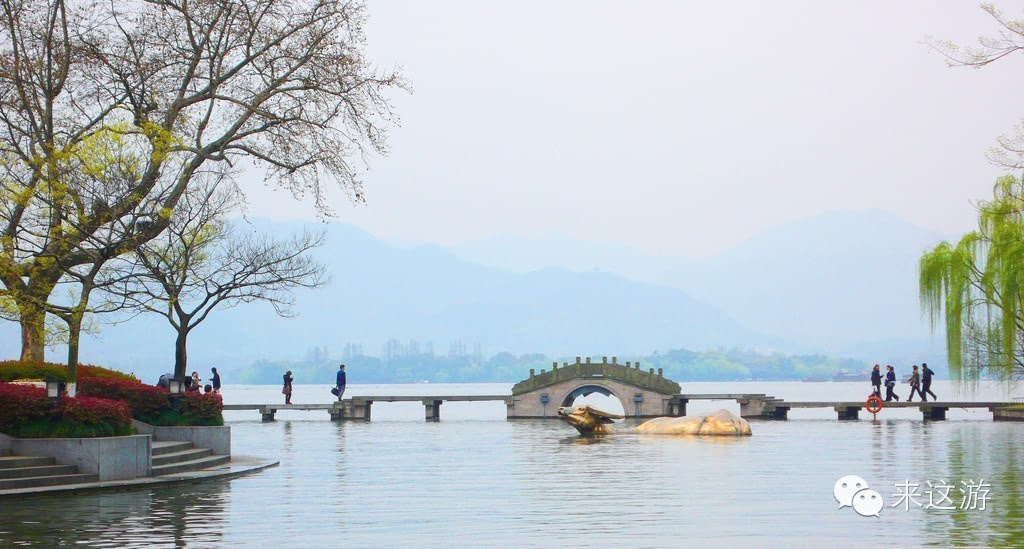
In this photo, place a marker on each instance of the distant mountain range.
(833, 282)
(839, 283)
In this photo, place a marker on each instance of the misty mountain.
(381, 290)
(841, 283)
(837, 282)
(825, 282)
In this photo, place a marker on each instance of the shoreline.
(238, 466)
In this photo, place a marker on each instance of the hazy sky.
(675, 127)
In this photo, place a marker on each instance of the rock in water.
(722, 422)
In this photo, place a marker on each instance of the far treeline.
(678, 365)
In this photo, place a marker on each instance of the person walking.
(287, 389)
(341, 381)
(915, 385)
(890, 382)
(926, 383)
(216, 381)
(876, 381)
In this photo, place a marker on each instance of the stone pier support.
(677, 406)
(268, 414)
(432, 410)
(351, 409)
(933, 413)
(848, 412)
(756, 408)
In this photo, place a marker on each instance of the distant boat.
(815, 379)
(843, 375)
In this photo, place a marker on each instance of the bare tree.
(201, 262)
(84, 281)
(161, 90)
(1007, 40)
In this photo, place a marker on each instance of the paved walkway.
(239, 465)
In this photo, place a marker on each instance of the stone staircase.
(171, 457)
(32, 472)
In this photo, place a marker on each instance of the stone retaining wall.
(217, 439)
(112, 458)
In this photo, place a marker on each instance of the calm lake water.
(476, 479)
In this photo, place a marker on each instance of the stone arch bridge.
(642, 393)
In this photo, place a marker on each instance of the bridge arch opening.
(597, 396)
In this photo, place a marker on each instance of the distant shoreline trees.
(678, 364)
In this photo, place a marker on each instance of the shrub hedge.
(204, 409)
(144, 400)
(152, 405)
(86, 410)
(103, 395)
(11, 370)
(26, 412)
(21, 404)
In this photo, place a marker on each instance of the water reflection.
(175, 517)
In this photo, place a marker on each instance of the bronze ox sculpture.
(591, 421)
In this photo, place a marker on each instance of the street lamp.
(174, 386)
(53, 389)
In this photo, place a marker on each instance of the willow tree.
(177, 87)
(974, 287)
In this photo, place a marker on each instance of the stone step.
(178, 457)
(161, 447)
(195, 465)
(10, 462)
(38, 471)
(49, 480)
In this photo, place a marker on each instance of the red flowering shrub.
(204, 409)
(26, 412)
(17, 369)
(144, 400)
(21, 404)
(85, 410)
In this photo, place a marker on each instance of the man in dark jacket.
(876, 382)
(926, 383)
(890, 382)
(341, 381)
(216, 381)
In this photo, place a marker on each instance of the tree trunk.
(75, 326)
(74, 336)
(33, 331)
(31, 299)
(180, 354)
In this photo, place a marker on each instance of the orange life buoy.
(874, 404)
